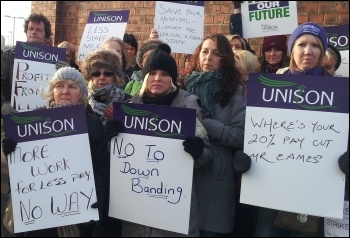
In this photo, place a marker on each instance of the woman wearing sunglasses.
(103, 71)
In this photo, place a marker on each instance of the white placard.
(102, 25)
(52, 180)
(292, 153)
(151, 181)
(338, 227)
(33, 67)
(266, 18)
(180, 25)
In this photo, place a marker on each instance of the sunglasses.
(98, 73)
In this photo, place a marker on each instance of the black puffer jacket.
(100, 160)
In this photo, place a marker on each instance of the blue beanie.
(308, 28)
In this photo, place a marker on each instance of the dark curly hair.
(130, 39)
(37, 18)
(231, 77)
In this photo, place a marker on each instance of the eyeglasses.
(98, 73)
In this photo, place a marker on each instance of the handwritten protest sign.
(34, 65)
(151, 174)
(102, 25)
(338, 36)
(266, 18)
(52, 180)
(180, 24)
(296, 128)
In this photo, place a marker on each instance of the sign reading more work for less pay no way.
(52, 179)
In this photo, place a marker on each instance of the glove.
(8, 146)
(6, 108)
(60, 64)
(112, 129)
(95, 205)
(194, 146)
(108, 112)
(343, 162)
(241, 162)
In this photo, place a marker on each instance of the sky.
(14, 9)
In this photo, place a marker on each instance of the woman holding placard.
(68, 87)
(159, 88)
(306, 46)
(216, 80)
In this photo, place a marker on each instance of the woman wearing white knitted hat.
(68, 87)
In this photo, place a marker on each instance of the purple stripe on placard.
(338, 36)
(39, 53)
(301, 92)
(266, 5)
(45, 123)
(108, 16)
(154, 120)
(193, 3)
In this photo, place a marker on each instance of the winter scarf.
(98, 105)
(160, 100)
(204, 85)
(314, 71)
(54, 105)
(272, 69)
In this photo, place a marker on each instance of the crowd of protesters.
(214, 81)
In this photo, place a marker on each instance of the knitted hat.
(160, 59)
(308, 28)
(102, 58)
(336, 55)
(146, 46)
(130, 39)
(68, 73)
(279, 41)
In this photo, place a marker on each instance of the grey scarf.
(98, 105)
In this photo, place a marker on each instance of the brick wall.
(68, 18)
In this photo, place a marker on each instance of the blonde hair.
(329, 57)
(143, 89)
(293, 66)
(68, 46)
(246, 60)
(236, 36)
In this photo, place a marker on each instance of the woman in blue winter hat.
(306, 46)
